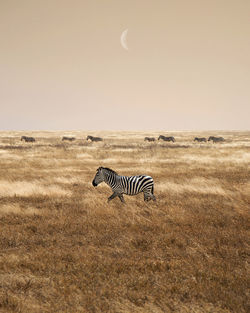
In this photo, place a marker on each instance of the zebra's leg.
(152, 196)
(121, 198)
(112, 196)
(146, 196)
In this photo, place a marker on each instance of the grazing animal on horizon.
(202, 139)
(28, 139)
(68, 138)
(164, 138)
(149, 139)
(128, 185)
(96, 139)
(216, 139)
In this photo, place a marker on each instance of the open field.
(63, 248)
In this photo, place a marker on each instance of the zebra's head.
(99, 177)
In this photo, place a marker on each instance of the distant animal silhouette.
(68, 138)
(28, 139)
(202, 139)
(149, 139)
(216, 139)
(95, 139)
(164, 138)
(128, 185)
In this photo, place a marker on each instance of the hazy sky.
(62, 66)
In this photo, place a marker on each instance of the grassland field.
(64, 248)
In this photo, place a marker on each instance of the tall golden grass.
(64, 248)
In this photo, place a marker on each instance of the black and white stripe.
(129, 185)
(216, 139)
(202, 139)
(149, 139)
(164, 138)
(92, 138)
(68, 138)
(28, 139)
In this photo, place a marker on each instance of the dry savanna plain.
(64, 248)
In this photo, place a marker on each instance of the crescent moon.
(124, 39)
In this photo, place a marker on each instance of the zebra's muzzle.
(94, 184)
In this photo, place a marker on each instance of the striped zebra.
(28, 139)
(149, 139)
(128, 185)
(216, 139)
(164, 138)
(68, 138)
(202, 139)
(92, 138)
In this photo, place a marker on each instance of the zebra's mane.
(109, 169)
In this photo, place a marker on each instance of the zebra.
(202, 139)
(149, 139)
(216, 139)
(68, 138)
(129, 185)
(164, 138)
(28, 139)
(94, 138)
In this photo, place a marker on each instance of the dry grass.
(63, 248)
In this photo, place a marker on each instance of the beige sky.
(63, 68)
